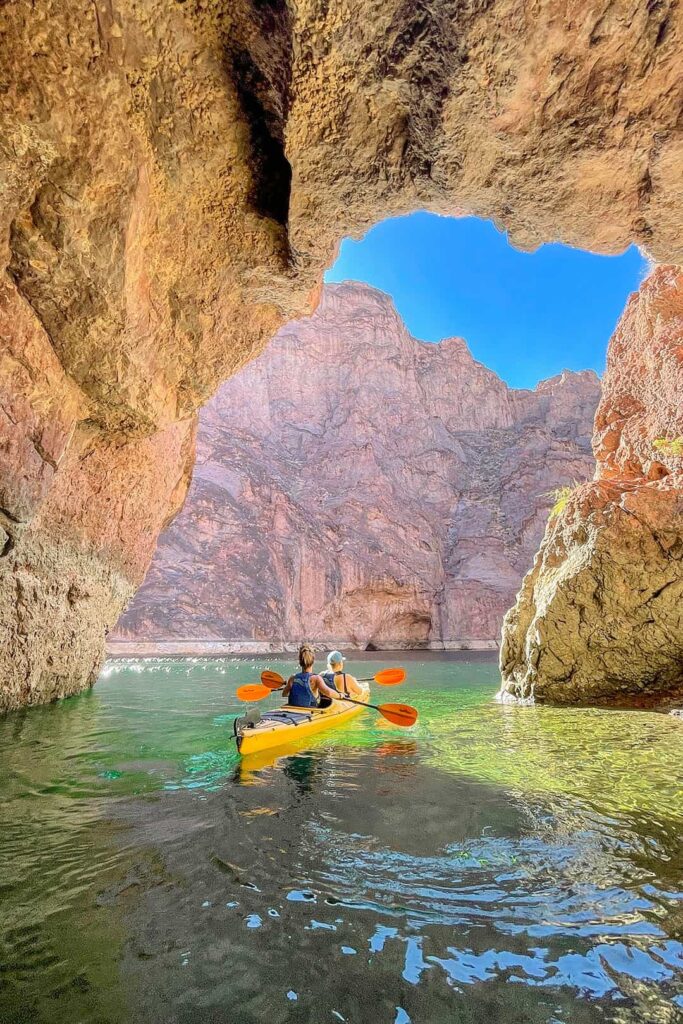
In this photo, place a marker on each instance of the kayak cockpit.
(257, 730)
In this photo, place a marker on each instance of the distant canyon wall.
(357, 486)
(174, 177)
(600, 616)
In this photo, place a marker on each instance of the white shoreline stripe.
(222, 648)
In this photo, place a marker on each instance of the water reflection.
(302, 771)
(509, 902)
(522, 866)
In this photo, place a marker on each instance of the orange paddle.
(272, 680)
(399, 714)
(386, 677)
(252, 691)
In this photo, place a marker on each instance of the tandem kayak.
(287, 724)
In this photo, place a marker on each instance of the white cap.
(335, 658)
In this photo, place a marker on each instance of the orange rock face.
(600, 616)
(355, 485)
(78, 561)
(80, 510)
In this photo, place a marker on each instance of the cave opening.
(176, 205)
(385, 469)
(176, 175)
(525, 315)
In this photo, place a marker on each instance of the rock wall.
(80, 511)
(357, 486)
(174, 177)
(600, 616)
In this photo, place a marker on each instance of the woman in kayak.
(305, 688)
(341, 681)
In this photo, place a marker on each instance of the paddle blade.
(252, 691)
(272, 680)
(390, 676)
(399, 714)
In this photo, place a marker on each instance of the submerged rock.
(356, 485)
(600, 616)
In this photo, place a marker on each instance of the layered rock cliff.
(355, 485)
(600, 616)
(174, 177)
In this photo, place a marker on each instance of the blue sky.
(525, 315)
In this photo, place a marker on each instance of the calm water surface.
(491, 864)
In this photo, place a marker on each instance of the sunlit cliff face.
(383, 491)
(176, 176)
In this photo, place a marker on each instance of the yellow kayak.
(289, 724)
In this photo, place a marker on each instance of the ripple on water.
(544, 893)
(527, 862)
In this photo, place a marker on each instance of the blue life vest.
(329, 679)
(301, 695)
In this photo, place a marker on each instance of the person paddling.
(343, 682)
(304, 689)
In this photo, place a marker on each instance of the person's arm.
(355, 689)
(288, 686)
(324, 690)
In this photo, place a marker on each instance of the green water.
(491, 864)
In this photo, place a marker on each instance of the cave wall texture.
(174, 177)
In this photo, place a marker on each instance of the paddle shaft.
(362, 703)
(385, 677)
(349, 700)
